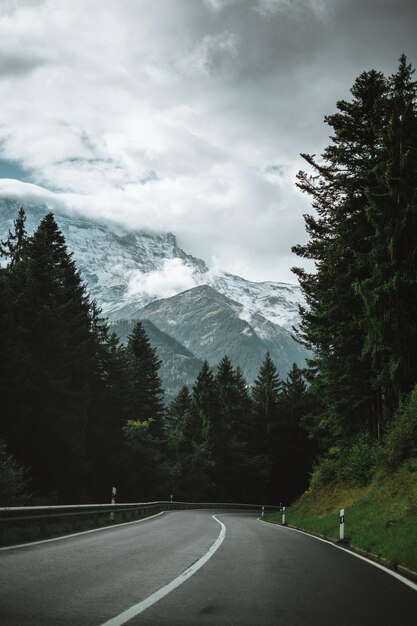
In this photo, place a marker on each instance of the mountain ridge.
(210, 325)
(126, 269)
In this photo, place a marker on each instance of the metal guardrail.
(14, 513)
(18, 516)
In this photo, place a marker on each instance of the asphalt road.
(256, 573)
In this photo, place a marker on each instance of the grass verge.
(380, 518)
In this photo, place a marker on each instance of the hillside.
(380, 517)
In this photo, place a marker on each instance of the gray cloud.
(186, 115)
(16, 65)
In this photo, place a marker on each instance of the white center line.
(138, 608)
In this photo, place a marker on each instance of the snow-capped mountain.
(277, 302)
(126, 270)
(210, 325)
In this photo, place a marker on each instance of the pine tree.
(147, 474)
(109, 414)
(177, 409)
(294, 456)
(202, 413)
(54, 346)
(146, 394)
(266, 390)
(333, 321)
(14, 246)
(389, 291)
(183, 434)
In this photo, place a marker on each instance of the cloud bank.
(186, 116)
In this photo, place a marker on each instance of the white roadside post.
(171, 497)
(113, 501)
(283, 515)
(263, 509)
(342, 525)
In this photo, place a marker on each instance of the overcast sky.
(185, 115)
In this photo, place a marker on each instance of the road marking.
(396, 575)
(138, 608)
(83, 532)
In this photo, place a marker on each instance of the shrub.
(354, 463)
(359, 461)
(326, 470)
(401, 437)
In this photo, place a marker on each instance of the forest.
(81, 413)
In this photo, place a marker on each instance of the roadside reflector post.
(263, 509)
(283, 515)
(342, 525)
(113, 501)
(171, 497)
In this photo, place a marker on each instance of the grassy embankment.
(380, 517)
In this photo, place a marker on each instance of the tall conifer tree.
(389, 291)
(56, 331)
(146, 394)
(333, 321)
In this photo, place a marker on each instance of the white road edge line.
(402, 579)
(83, 532)
(138, 608)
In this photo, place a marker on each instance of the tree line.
(81, 413)
(360, 320)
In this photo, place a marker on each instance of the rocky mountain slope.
(211, 325)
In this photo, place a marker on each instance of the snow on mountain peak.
(125, 270)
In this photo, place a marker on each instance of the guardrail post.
(113, 501)
(342, 525)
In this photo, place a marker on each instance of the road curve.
(259, 574)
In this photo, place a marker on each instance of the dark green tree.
(56, 325)
(389, 290)
(109, 414)
(146, 394)
(13, 247)
(333, 322)
(294, 456)
(201, 419)
(147, 473)
(179, 406)
(182, 433)
(266, 392)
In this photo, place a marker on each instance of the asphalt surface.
(260, 574)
